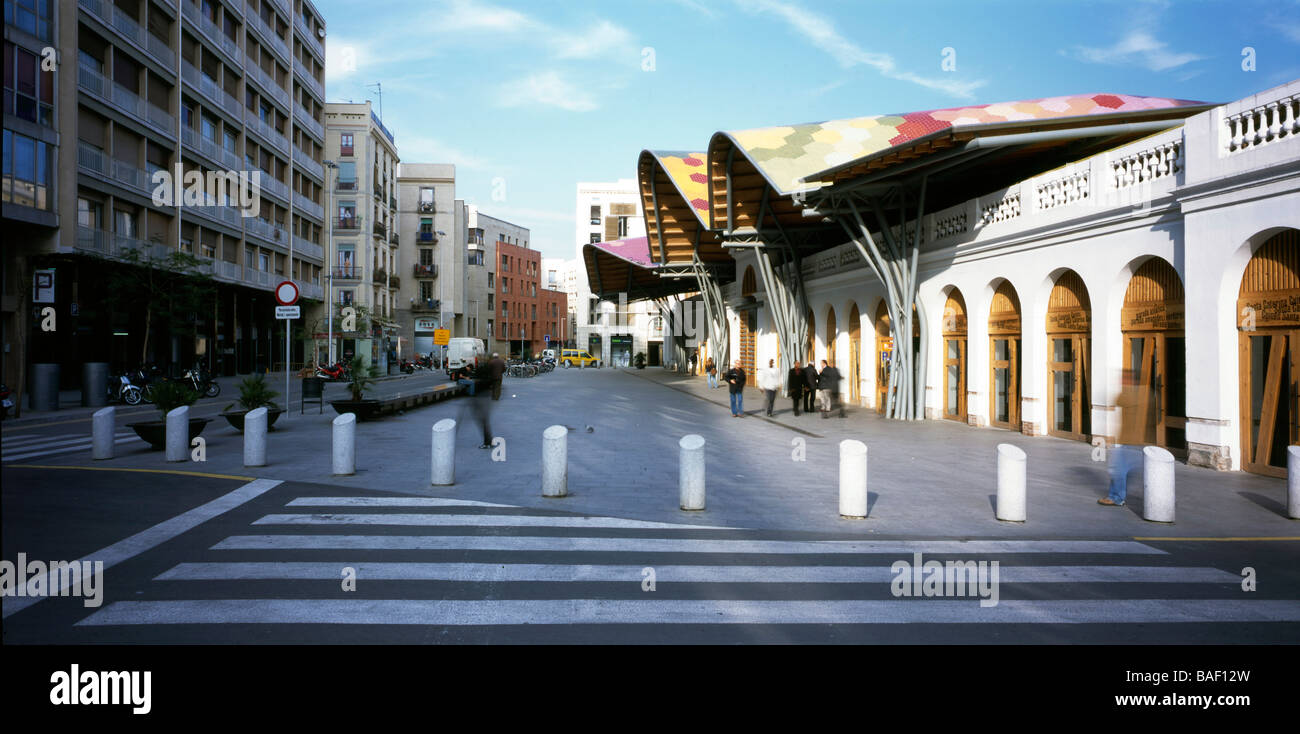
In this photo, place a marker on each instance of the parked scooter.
(335, 371)
(121, 388)
(202, 382)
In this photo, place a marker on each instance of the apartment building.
(612, 332)
(138, 88)
(513, 323)
(429, 239)
(362, 157)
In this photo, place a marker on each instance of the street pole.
(329, 263)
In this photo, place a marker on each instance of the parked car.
(577, 358)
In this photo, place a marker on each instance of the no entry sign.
(286, 294)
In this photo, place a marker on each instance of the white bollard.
(442, 462)
(690, 478)
(1293, 482)
(555, 461)
(345, 444)
(853, 479)
(255, 437)
(104, 432)
(1011, 483)
(178, 434)
(1157, 484)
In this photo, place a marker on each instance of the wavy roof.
(787, 153)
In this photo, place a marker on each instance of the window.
(489, 328)
(595, 237)
(345, 146)
(187, 245)
(208, 128)
(28, 91)
(347, 214)
(534, 310)
(622, 226)
(426, 200)
(426, 256)
(347, 180)
(476, 257)
(346, 297)
(231, 140)
(505, 285)
(426, 290)
(26, 171)
(505, 309)
(595, 213)
(491, 306)
(208, 251)
(505, 263)
(32, 16)
(491, 278)
(124, 223)
(89, 213)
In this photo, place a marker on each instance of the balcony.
(218, 155)
(209, 88)
(308, 249)
(267, 84)
(308, 79)
(347, 272)
(112, 245)
(379, 276)
(118, 97)
(311, 290)
(307, 207)
(266, 132)
(214, 34)
(268, 35)
(426, 271)
(227, 215)
(425, 237)
(380, 229)
(346, 223)
(310, 39)
(273, 185)
(306, 164)
(427, 207)
(306, 121)
(421, 305)
(269, 231)
(345, 186)
(113, 17)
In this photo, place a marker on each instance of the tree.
(172, 286)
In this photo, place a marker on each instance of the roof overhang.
(624, 266)
(674, 197)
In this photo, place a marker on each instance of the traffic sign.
(286, 293)
(441, 337)
(547, 338)
(288, 312)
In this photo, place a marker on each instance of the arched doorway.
(812, 338)
(748, 313)
(855, 355)
(1155, 353)
(1069, 381)
(830, 334)
(884, 350)
(1268, 326)
(1004, 358)
(954, 357)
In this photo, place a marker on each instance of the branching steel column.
(714, 312)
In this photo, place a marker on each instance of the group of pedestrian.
(807, 385)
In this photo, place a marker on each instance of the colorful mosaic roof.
(635, 250)
(788, 153)
(689, 174)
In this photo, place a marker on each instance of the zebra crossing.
(455, 563)
(18, 448)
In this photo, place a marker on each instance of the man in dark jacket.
(735, 378)
(496, 368)
(794, 382)
(829, 382)
(810, 383)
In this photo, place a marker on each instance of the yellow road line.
(1282, 537)
(140, 471)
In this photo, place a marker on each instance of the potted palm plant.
(167, 396)
(639, 360)
(359, 379)
(253, 393)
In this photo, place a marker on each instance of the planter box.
(236, 418)
(365, 409)
(155, 432)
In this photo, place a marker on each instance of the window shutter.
(611, 229)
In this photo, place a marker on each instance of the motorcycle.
(121, 388)
(202, 382)
(408, 366)
(335, 371)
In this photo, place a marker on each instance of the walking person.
(479, 402)
(831, 374)
(711, 370)
(769, 381)
(824, 391)
(1126, 455)
(810, 386)
(735, 378)
(795, 383)
(496, 371)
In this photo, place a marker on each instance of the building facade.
(141, 95)
(430, 239)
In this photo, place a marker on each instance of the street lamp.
(329, 260)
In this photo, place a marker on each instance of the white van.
(465, 353)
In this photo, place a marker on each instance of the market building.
(1030, 252)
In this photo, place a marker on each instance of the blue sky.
(540, 95)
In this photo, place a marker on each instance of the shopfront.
(1004, 358)
(1069, 382)
(1155, 353)
(954, 357)
(424, 335)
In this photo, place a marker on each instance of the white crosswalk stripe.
(30, 447)
(593, 569)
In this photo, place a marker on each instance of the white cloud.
(602, 38)
(460, 16)
(1138, 48)
(821, 33)
(697, 7)
(547, 88)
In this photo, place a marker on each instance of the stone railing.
(1005, 208)
(1060, 191)
(1258, 121)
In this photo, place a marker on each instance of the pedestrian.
(496, 372)
(1126, 455)
(824, 391)
(769, 380)
(735, 378)
(711, 370)
(479, 402)
(833, 381)
(810, 386)
(795, 383)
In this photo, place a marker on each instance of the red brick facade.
(522, 303)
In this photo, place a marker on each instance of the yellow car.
(578, 358)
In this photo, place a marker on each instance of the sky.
(529, 98)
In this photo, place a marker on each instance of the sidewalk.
(926, 478)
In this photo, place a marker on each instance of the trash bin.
(44, 387)
(94, 384)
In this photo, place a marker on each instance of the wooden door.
(1269, 394)
(1069, 406)
(1156, 362)
(1004, 381)
(884, 349)
(748, 330)
(954, 378)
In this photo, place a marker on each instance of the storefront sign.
(1152, 317)
(426, 324)
(1073, 320)
(1277, 308)
(1004, 324)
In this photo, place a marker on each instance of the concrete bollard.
(1157, 484)
(555, 461)
(178, 434)
(345, 444)
(442, 464)
(255, 437)
(104, 433)
(1011, 483)
(1293, 482)
(94, 384)
(43, 387)
(853, 479)
(690, 478)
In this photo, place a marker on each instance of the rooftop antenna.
(379, 94)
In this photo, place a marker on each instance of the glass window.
(345, 145)
(347, 175)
